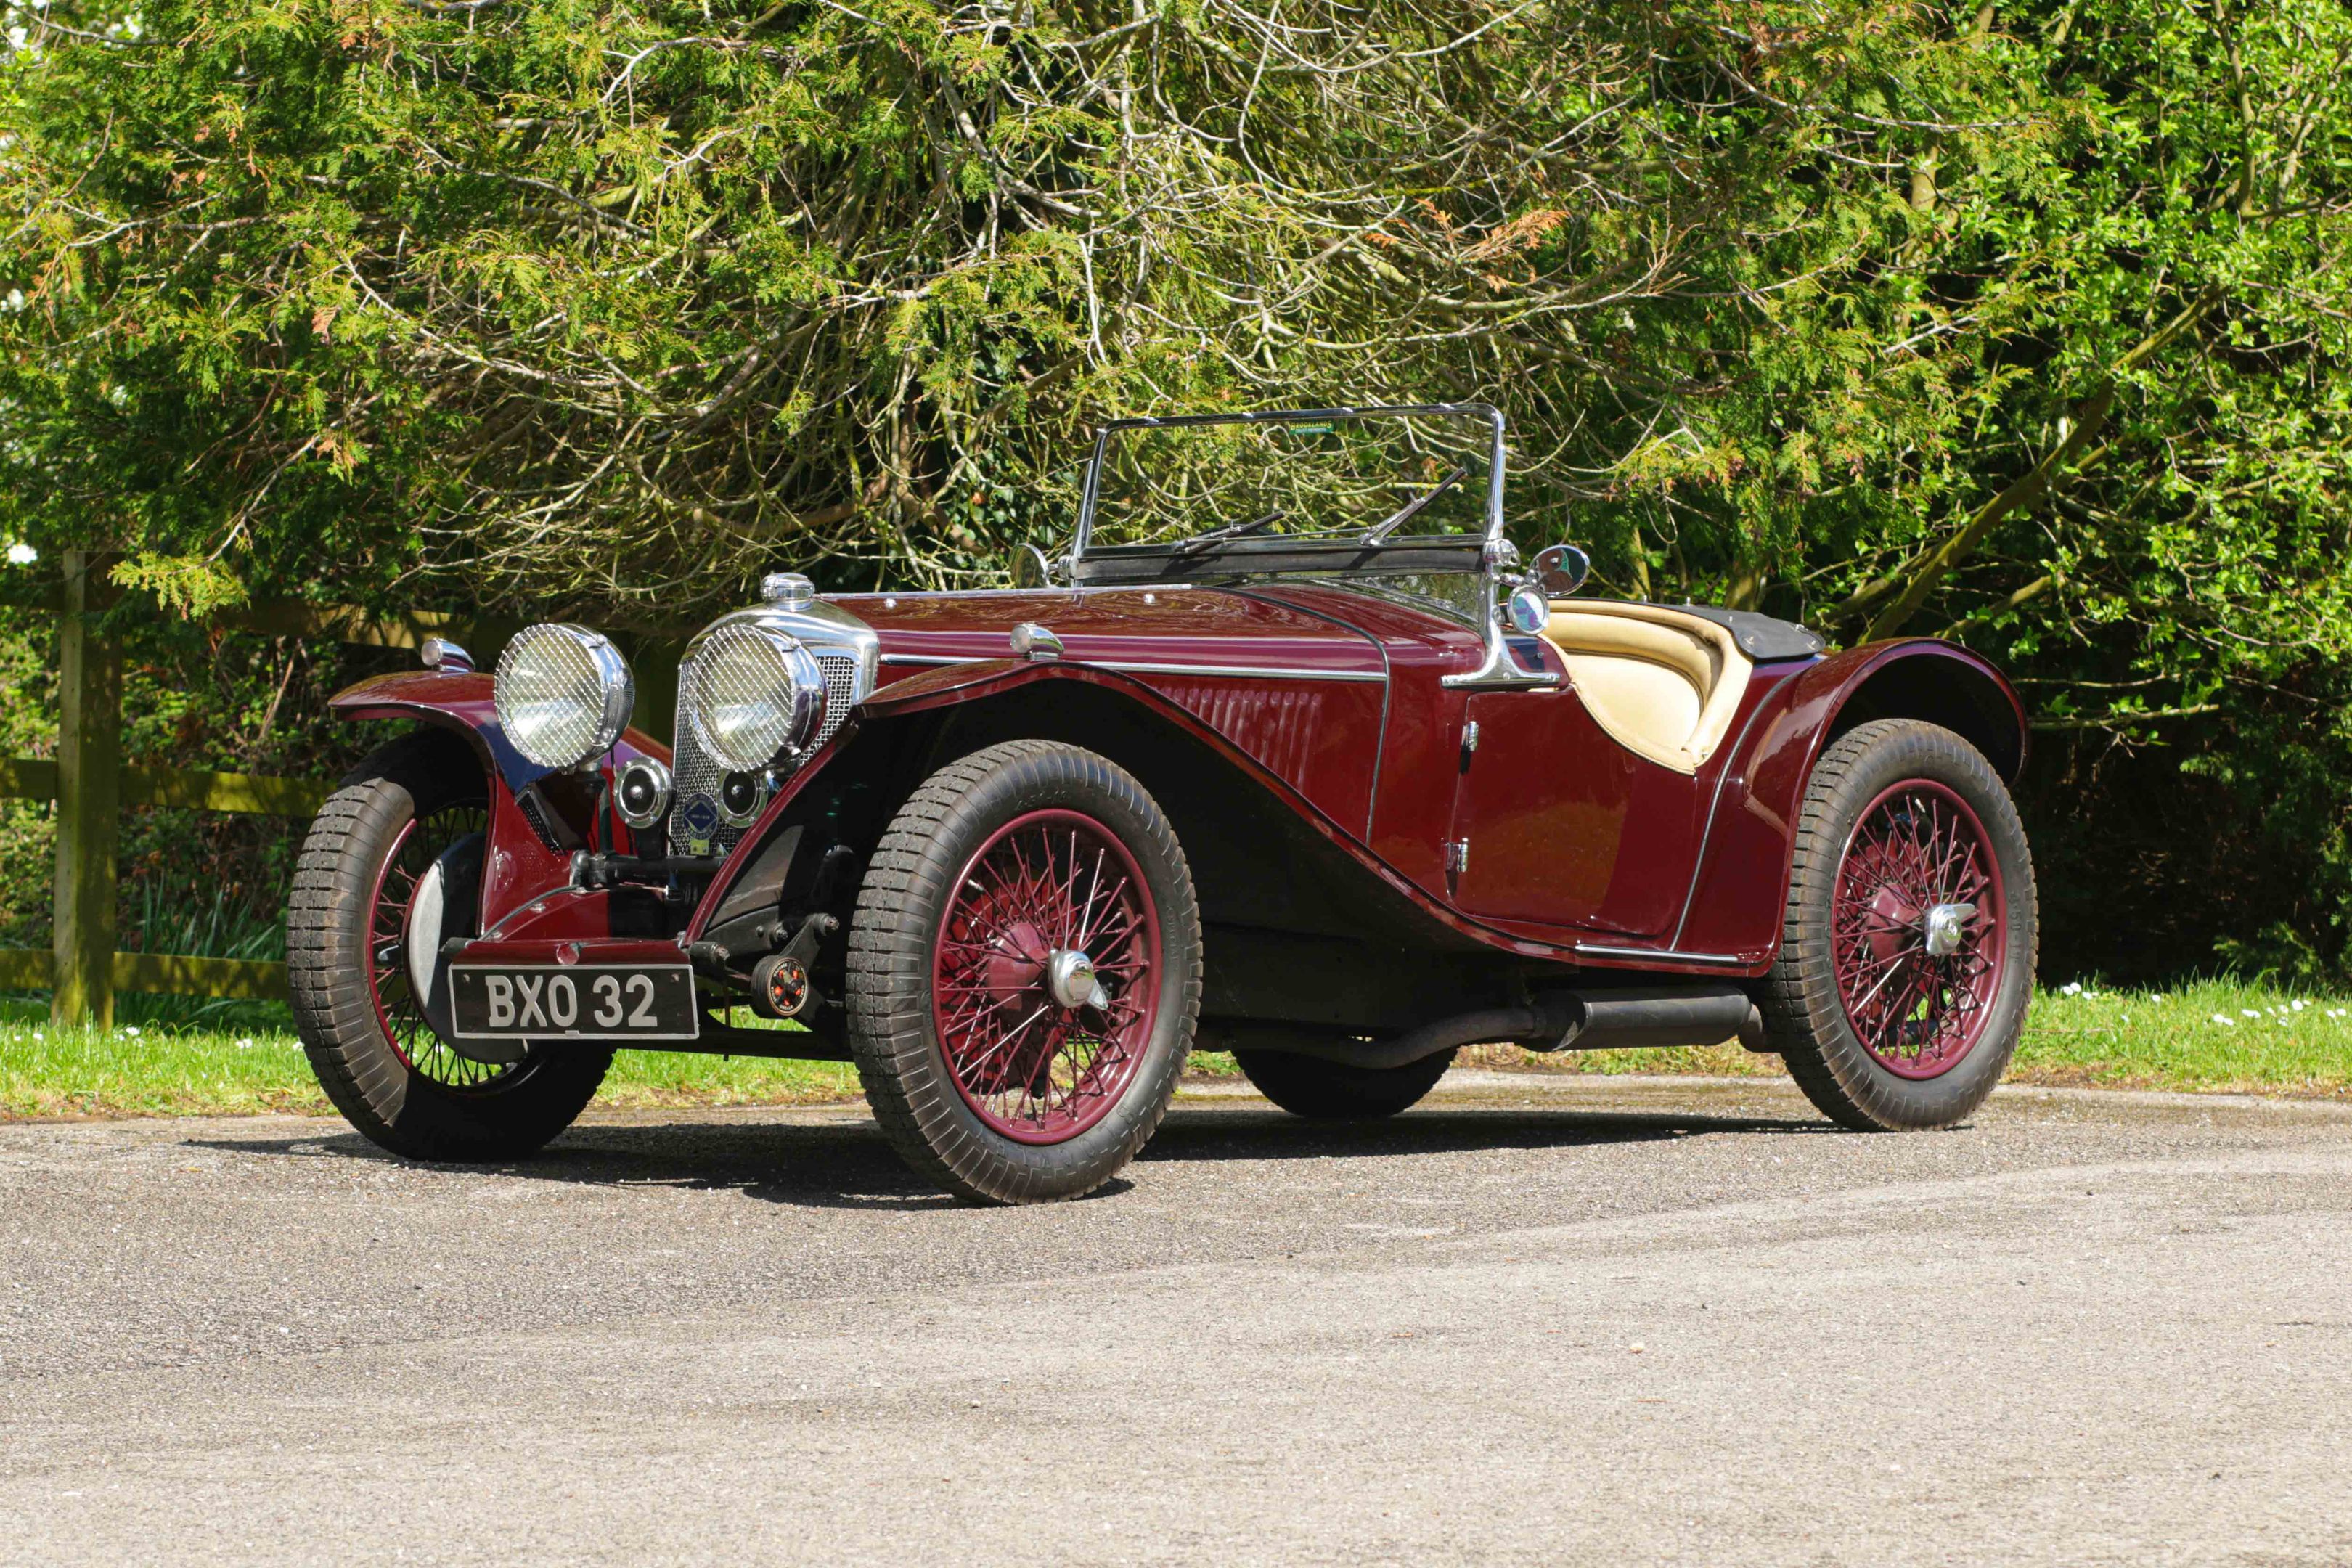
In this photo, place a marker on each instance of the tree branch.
(1911, 586)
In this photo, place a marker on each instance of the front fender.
(978, 681)
(465, 702)
(1742, 883)
(950, 685)
(535, 820)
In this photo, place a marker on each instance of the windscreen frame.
(1091, 566)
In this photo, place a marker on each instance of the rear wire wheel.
(1906, 957)
(1323, 1090)
(1025, 966)
(362, 1024)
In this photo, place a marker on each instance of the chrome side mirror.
(1562, 569)
(1031, 569)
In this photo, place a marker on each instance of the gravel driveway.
(1536, 1321)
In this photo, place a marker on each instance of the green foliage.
(191, 584)
(182, 920)
(27, 842)
(2022, 321)
(192, 699)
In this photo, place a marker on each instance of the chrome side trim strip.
(1132, 667)
(1054, 590)
(1276, 673)
(1727, 960)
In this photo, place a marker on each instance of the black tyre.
(1332, 1091)
(413, 803)
(1024, 968)
(1907, 952)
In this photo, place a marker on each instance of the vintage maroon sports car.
(1284, 756)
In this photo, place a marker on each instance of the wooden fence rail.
(33, 969)
(35, 778)
(81, 970)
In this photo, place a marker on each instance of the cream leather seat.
(1663, 684)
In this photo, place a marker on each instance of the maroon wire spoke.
(1047, 885)
(1916, 847)
(397, 1005)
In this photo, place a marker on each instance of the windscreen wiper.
(1234, 530)
(1412, 507)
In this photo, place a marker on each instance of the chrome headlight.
(563, 694)
(753, 694)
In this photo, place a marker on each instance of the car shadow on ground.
(836, 1165)
(845, 1163)
(1240, 1134)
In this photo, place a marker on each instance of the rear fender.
(537, 816)
(1738, 896)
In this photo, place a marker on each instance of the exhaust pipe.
(1593, 1020)
(1662, 1015)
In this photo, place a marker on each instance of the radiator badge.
(701, 820)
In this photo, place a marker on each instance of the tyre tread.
(334, 1012)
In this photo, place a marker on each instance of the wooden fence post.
(89, 791)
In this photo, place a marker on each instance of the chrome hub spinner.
(1946, 927)
(1070, 977)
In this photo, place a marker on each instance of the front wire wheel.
(347, 962)
(422, 840)
(1024, 967)
(1906, 958)
(1048, 892)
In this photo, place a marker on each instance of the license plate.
(549, 1001)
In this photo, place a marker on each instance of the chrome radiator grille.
(694, 774)
(840, 691)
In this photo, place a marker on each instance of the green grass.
(188, 1070)
(2211, 1036)
(2205, 1037)
(2216, 1035)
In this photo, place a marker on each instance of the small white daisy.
(2225, 1018)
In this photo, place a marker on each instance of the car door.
(1556, 824)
